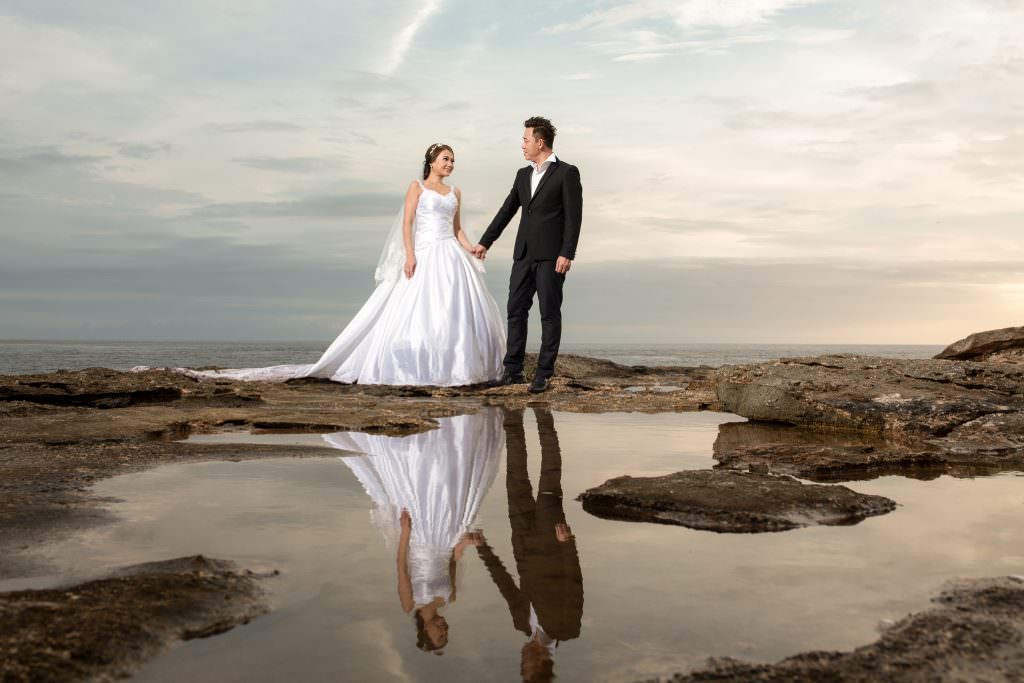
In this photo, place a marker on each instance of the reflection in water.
(669, 596)
(426, 490)
(547, 605)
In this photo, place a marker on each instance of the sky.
(761, 171)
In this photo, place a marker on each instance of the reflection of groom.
(547, 605)
(551, 197)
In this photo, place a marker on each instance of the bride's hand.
(410, 267)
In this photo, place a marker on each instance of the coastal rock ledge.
(1004, 345)
(963, 407)
(975, 632)
(104, 629)
(731, 502)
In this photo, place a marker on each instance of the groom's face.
(533, 147)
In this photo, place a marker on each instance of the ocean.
(28, 356)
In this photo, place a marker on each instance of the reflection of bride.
(430, 320)
(426, 490)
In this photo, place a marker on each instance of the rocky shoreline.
(825, 419)
(973, 633)
(103, 629)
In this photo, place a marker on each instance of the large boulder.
(1006, 345)
(726, 501)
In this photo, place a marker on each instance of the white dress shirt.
(538, 172)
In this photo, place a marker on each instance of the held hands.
(563, 533)
(479, 250)
(562, 265)
(474, 538)
(410, 266)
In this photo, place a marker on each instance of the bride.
(430, 320)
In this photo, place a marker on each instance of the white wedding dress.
(441, 327)
(440, 477)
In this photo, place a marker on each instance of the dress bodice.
(435, 214)
(429, 573)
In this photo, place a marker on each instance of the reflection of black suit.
(549, 227)
(549, 571)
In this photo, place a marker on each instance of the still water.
(536, 581)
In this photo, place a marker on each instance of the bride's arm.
(412, 197)
(459, 234)
(404, 580)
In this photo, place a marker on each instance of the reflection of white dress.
(441, 327)
(441, 477)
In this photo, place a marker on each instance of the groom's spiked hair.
(542, 128)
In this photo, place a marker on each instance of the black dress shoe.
(512, 378)
(538, 385)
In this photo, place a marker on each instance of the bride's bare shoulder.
(414, 190)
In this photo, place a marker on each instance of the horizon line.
(564, 343)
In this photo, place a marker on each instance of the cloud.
(899, 94)
(39, 57)
(732, 14)
(216, 288)
(301, 165)
(714, 139)
(327, 207)
(649, 30)
(256, 127)
(996, 159)
(687, 14)
(406, 36)
(642, 56)
(43, 159)
(138, 150)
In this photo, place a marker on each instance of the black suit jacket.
(549, 226)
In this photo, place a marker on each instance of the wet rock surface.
(831, 418)
(861, 417)
(733, 502)
(827, 457)
(100, 404)
(103, 629)
(975, 632)
(1003, 345)
(903, 400)
(63, 431)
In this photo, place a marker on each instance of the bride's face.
(444, 164)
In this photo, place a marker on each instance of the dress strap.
(422, 186)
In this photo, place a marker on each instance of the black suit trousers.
(528, 278)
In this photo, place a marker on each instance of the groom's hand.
(480, 251)
(562, 265)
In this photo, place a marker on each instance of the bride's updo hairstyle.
(431, 156)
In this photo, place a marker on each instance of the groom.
(551, 197)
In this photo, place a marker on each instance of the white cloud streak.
(405, 38)
(689, 14)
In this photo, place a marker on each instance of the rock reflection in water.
(822, 456)
(547, 605)
(426, 491)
